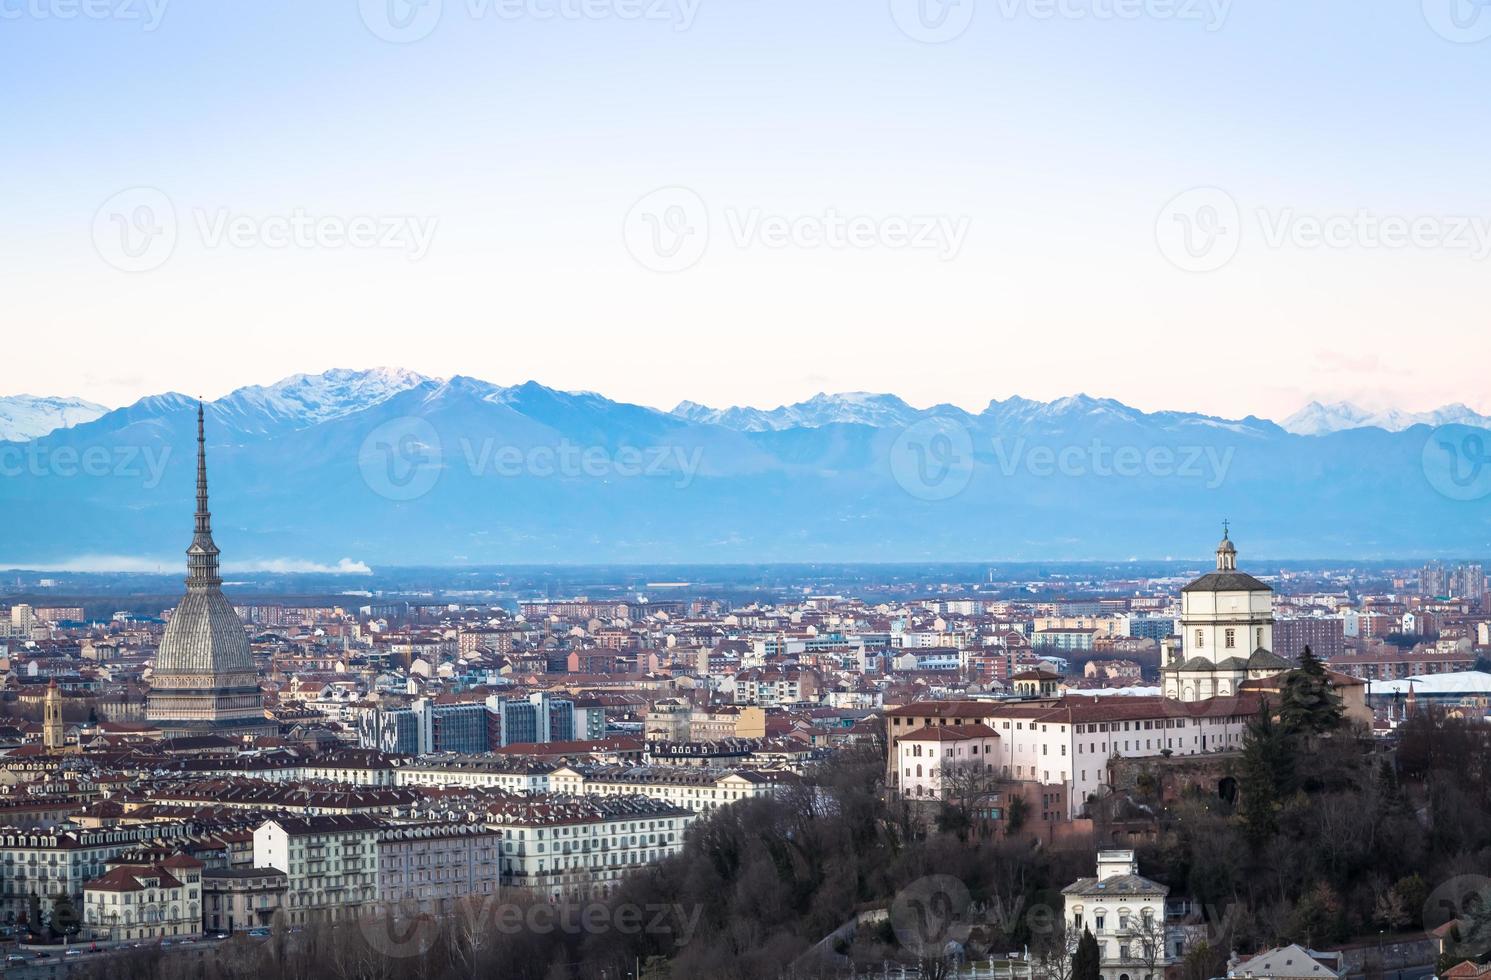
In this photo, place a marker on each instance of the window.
(1200, 638)
(1231, 639)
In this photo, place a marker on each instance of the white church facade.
(1225, 634)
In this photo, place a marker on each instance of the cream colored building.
(331, 863)
(695, 788)
(581, 846)
(1226, 634)
(132, 902)
(1125, 912)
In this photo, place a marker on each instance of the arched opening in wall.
(1227, 789)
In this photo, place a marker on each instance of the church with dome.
(1225, 634)
(204, 681)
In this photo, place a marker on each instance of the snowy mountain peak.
(852, 407)
(308, 399)
(25, 417)
(1318, 418)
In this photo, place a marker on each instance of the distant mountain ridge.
(24, 417)
(390, 467)
(1319, 419)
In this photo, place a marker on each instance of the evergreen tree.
(1309, 706)
(1086, 961)
(1268, 776)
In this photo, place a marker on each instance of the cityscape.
(409, 780)
(721, 490)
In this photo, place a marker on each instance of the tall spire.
(201, 560)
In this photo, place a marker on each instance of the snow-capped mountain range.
(310, 399)
(390, 467)
(1318, 419)
(24, 417)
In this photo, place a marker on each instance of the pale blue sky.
(499, 160)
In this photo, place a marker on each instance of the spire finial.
(201, 563)
(1226, 551)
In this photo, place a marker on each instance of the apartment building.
(425, 866)
(1069, 741)
(929, 757)
(37, 868)
(695, 788)
(239, 899)
(157, 901)
(580, 846)
(330, 863)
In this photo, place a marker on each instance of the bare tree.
(1053, 951)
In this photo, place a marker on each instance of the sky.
(1182, 204)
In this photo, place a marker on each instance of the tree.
(1309, 706)
(1055, 951)
(1267, 776)
(1087, 962)
(1016, 814)
(1149, 938)
(1203, 961)
(968, 790)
